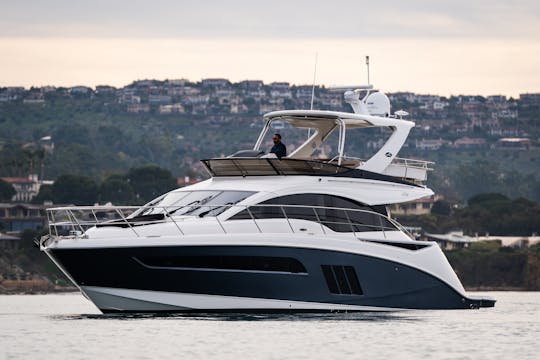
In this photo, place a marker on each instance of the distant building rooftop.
(512, 240)
(452, 240)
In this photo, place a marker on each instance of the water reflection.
(231, 316)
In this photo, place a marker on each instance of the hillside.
(173, 124)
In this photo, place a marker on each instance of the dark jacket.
(279, 149)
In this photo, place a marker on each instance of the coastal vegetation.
(137, 186)
(6, 191)
(489, 213)
(489, 266)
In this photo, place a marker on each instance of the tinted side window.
(259, 212)
(200, 202)
(361, 220)
(335, 219)
(257, 263)
(314, 207)
(276, 212)
(217, 204)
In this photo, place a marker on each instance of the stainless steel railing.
(407, 169)
(412, 163)
(74, 221)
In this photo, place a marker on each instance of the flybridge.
(373, 110)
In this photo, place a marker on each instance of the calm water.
(69, 327)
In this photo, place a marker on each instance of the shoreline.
(19, 291)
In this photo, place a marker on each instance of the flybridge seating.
(270, 166)
(302, 161)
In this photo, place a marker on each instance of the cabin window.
(238, 263)
(338, 219)
(194, 203)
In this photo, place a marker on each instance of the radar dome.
(378, 104)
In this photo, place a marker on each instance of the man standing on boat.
(279, 148)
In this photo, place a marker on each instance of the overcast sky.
(466, 46)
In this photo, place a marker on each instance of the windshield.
(292, 137)
(194, 203)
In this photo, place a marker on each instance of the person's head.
(277, 138)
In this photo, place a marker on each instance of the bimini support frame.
(341, 144)
(320, 134)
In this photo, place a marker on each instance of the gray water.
(68, 326)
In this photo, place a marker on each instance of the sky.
(447, 48)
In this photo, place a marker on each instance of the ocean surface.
(67, 326)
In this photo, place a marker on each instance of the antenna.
(367, 64)
(314, 77)
(352, 94)
(313, 90)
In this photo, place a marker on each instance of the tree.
(150, 181)
(75, 189)
(6, 191)
(117, 190)
(467, 178)
(72, 133)
(28, 238)
(441, 207)
(45, 194)
(488, 199)
(13, 159)
(498, 215)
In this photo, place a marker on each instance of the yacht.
(309, 231)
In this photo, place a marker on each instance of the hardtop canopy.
(319, 118)
(325, 122)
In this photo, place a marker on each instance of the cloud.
(270, 19)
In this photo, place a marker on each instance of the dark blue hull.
(263, 272)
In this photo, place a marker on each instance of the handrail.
(417, 163)
(128, 217)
